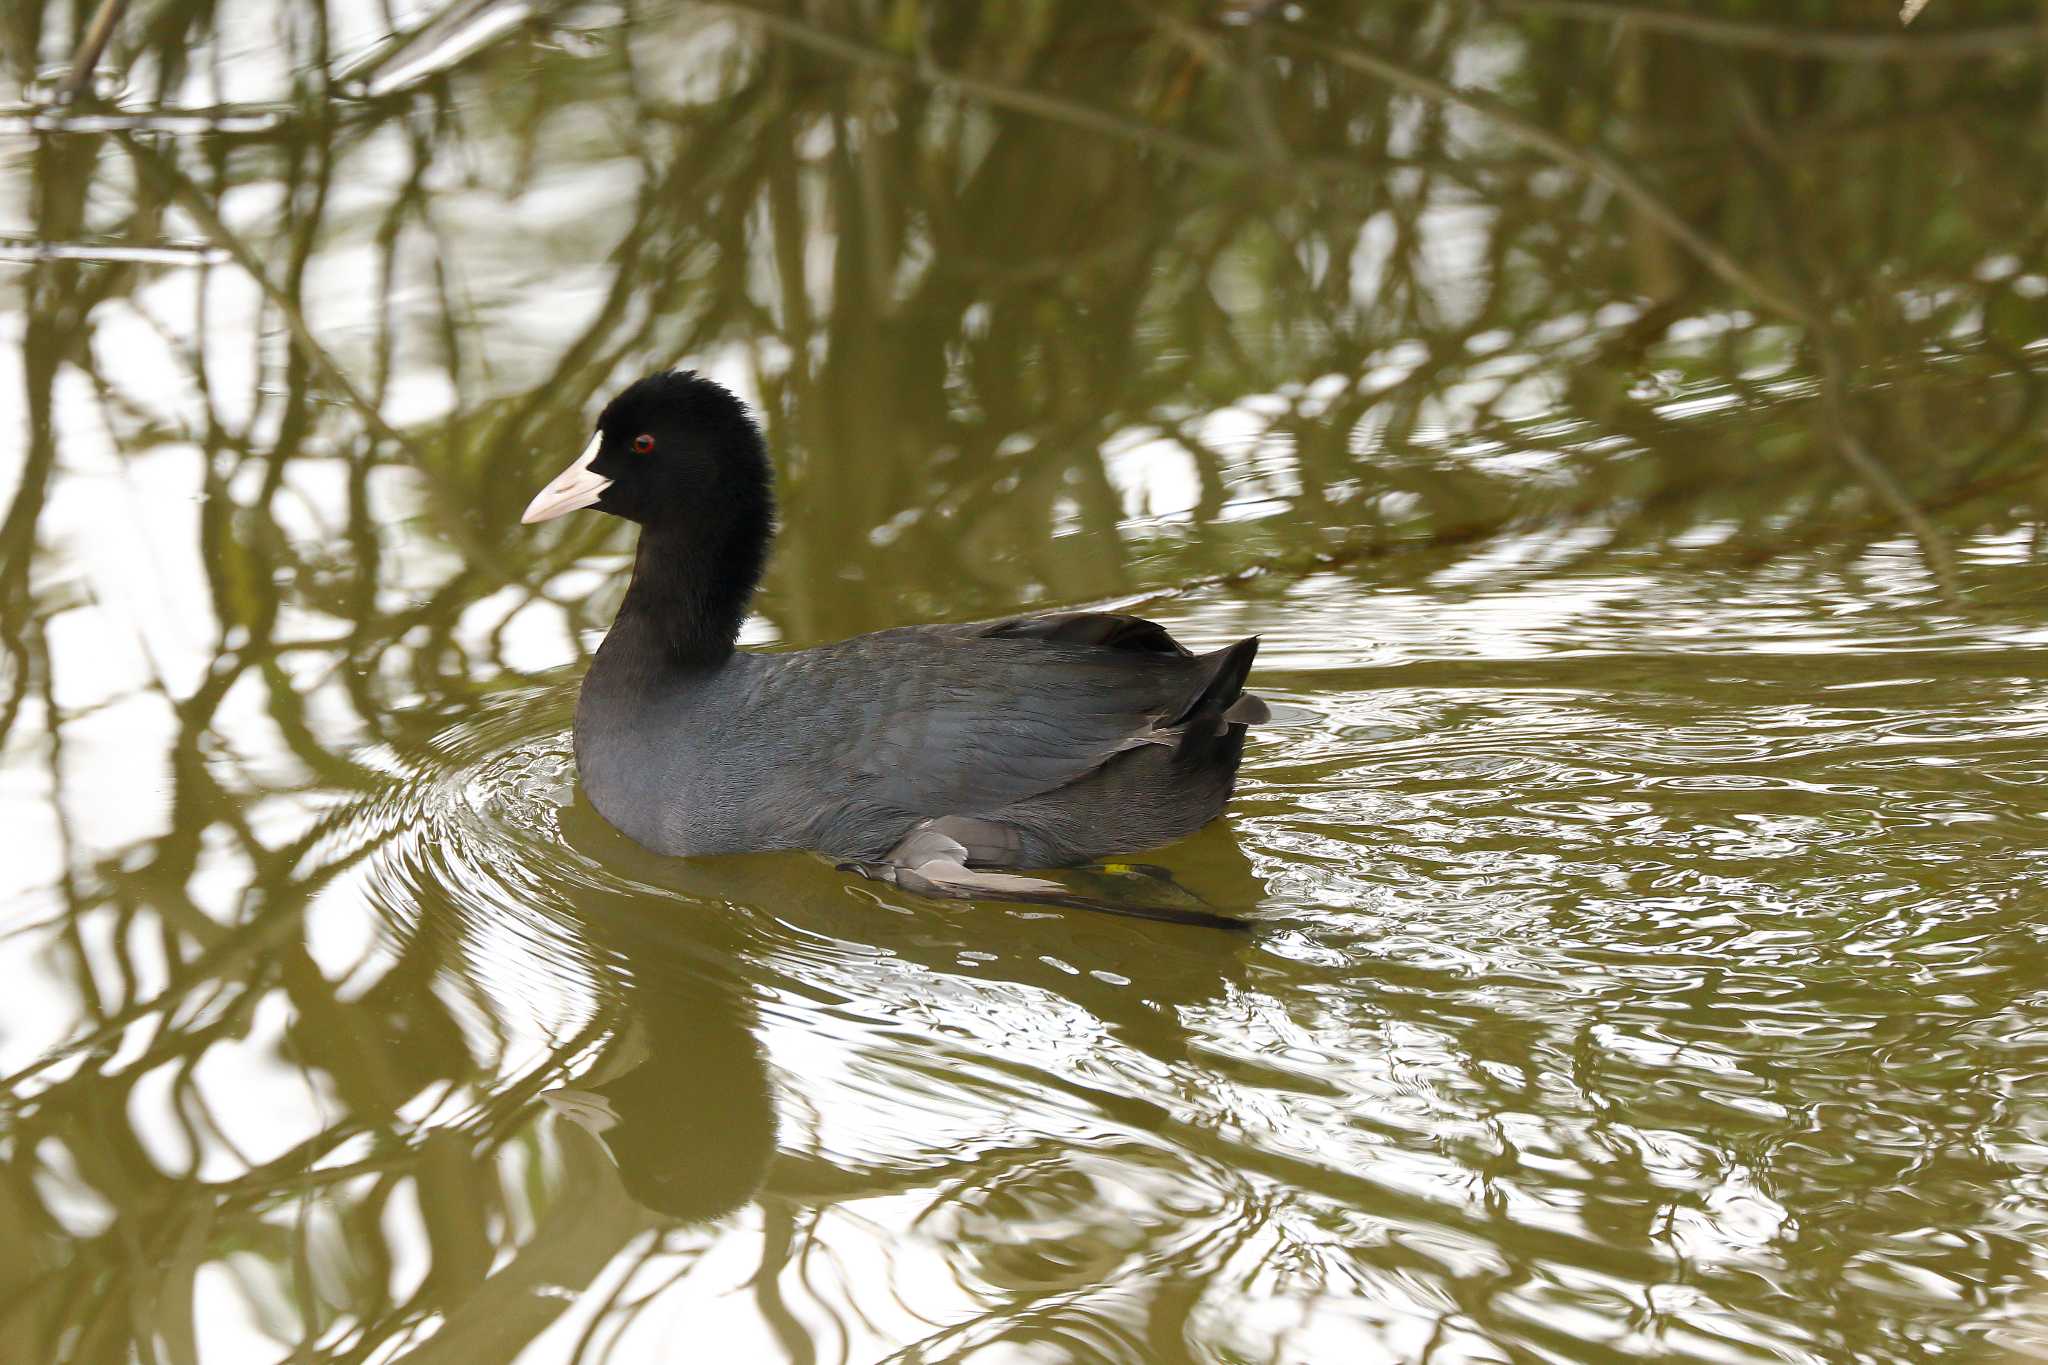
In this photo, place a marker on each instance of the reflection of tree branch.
(180, 188)
(254, 939)
(434, 46)
(1588, 161)
(90, 47)
(1797, 42)
(1263, 131)
(1849, 447)
(590, 1222)
(1843, 439)
(998, 93)
(1603, 168)
(1068, 297)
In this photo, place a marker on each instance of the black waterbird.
(935, 757)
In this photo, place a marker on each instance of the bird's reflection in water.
(1133, 973)
(761, 1040)
(680, 1099)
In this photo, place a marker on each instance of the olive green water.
(1626, 436)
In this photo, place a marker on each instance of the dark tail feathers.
(1222, 701)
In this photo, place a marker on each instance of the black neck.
(688, 596)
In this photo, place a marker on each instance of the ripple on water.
(1632, 987)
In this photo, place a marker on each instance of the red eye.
(643, 443)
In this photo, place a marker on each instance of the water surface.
(1624, 436)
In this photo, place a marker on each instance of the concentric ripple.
(1625, 980)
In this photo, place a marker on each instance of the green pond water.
(1623, 426)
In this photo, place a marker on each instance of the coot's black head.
(674, 449)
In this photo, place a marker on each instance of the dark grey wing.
(956, 720)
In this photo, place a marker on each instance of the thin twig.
(1794, 42)
(102, 27)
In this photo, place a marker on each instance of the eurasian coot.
(924, 755)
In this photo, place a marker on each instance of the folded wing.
(963, 720)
